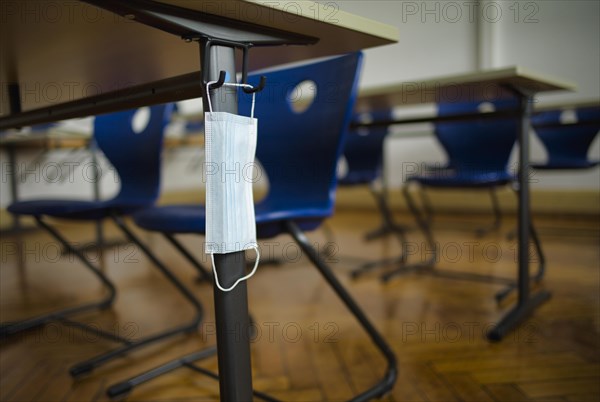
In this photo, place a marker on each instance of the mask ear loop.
(244, 278)
(230, 84)
(212, 256)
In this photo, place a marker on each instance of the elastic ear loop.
(244, 278)
(230, 84)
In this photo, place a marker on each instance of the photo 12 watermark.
(129, 253)
(426, 11)
(62, 172)
(54, 92)
(277, 331)
(467, 332)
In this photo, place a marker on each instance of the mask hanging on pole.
(230, 149)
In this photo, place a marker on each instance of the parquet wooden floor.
(307, 348)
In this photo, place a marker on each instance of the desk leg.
(232, 322)
(526, 303)
(231, 308)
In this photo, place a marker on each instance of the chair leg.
(387, 382)
(61, 315)
(90, 364)
(501, 295)
(423, 224)
(123, 388)
(204, 275)
(388, 226)
(427, 206)
(495, 225)
(329, 240)
(392, 261)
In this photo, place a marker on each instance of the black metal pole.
(526, 303)
(524, 208)
(231, 308)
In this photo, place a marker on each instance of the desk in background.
(491, 84)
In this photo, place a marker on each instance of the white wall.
(558, 38)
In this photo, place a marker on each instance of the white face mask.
(230, 148)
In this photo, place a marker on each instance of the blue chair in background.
(363, 154)
(567, 136)
(455, 154)
(479, 149)
(11, 147)
(299, 152)
(134, 150)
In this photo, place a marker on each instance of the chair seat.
(465, 181)
(172, 218)
(566, 165)
(356, 178)
(70, 209)
(192, 219)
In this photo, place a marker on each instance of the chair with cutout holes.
(567, 136)
(134, 151)
(454, 159)
(363, 157)
(299, 152)
(479, 149)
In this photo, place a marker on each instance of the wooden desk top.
(489, 84)
(66, 51)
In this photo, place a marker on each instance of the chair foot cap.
(80, 370)
(119, 390)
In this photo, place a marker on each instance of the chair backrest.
(478, 145)
(567, 135)
(132, 140)
(299, 150)
(363, 149)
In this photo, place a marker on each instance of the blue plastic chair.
(447, 143)
(363, 153)
(363, 150)
(479, 151)
(567, 142)
(11, 150)
(299, 152)
(466, 165)
(136, 158)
